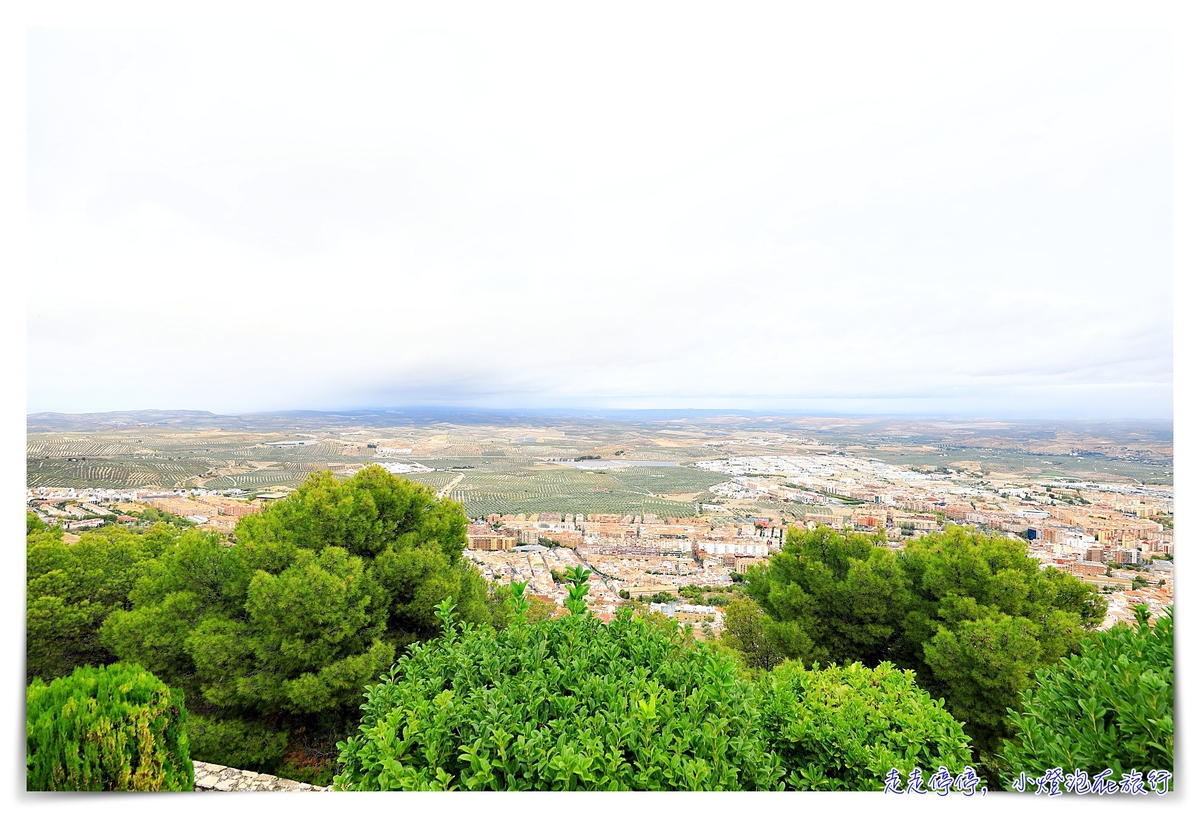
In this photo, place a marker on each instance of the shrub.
(106, 728)
(1111, 706)
(563, 704)
(845, 728)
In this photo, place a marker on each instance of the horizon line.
(605, 411)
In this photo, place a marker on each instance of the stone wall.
(215, 778)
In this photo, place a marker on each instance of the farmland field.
(575, 491)
(499, 475)
(522, 465)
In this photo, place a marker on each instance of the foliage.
(844, 728)
(983, 618)
(567, 703)
(576, 578)
(973, 616)
(106, 728)
(1111, 706)
(154, 516)
(287, 625)
(746, 632)
(831, 598)
(33, 523)
(71, 587)
(247, 744)
(499, 609)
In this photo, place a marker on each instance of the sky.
(685, 214)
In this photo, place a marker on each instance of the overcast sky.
(762, 218)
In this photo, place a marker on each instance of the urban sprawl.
(1118, 537)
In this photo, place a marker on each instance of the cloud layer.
(701, 217)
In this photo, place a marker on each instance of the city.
(1115, 536)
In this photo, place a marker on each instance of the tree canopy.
(310, 603)
(70, 588)
(573, 703)
(974, 616)
(1110, 706)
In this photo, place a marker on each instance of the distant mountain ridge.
(95, 421)
(304, 418)
(197, 419)
(59, 421)
(1082, 438)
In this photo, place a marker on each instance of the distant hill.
(1151, 440)
(267, 421)
(59, 422)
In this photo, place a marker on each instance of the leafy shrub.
(562, 704)
(106, 728)
(844, 728)
(1112, 706)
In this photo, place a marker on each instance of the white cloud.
(657, 216)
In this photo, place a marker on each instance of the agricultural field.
(1034, 466)
(108, 473)
(153, 459)
(435, 480)
(524, 464)
(575, 491)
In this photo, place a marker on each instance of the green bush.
(1111, 706)
(845, 728)
(563, 704)
(106, 728)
